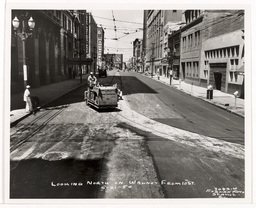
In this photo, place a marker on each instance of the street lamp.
(24, 36)
(80, 53)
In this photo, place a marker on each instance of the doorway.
(218, 76)
(218, 79)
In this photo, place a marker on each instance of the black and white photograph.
(130, 102)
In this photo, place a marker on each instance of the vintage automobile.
(102, 73)
(102, 97)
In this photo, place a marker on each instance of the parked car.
(102, 73)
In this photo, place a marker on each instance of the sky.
(129, 26)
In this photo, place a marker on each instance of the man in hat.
(26, 98)
(91, 80)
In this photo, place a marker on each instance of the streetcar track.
(40, 127)
(36, 119)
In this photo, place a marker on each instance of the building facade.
(156, 49)
(93, 42)
(53, 52)
(113, 61)
(174, 53)
(138, 54)
(212, 48)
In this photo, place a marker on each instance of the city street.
(158, 143)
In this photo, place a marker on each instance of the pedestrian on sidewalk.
(26, 98)
(170, 76)
(158, 74)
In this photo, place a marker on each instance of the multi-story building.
(113, 61)
(174, 53)
(155, 51)
(138, 54)
(169, 51)
(53, 49)
(212, 48)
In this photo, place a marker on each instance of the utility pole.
(80, 53)
(152, 58)
(80, 57)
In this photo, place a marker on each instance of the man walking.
(170, 76)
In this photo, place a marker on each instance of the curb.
(14, 123)
(215, 104)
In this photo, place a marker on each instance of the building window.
(237, 50)
(190, 41)
(224, 52)
(231, 76)
(174, 11)
(206, 74)
(184, 43)
(228, 52)
(233, 51)
(197, 38)
(69, 25)
(235, 77)
(69, 46)
(64, 22)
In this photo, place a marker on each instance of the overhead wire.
(119, 20)
(114, 28)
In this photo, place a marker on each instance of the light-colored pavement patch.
(178, 135)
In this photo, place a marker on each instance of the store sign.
(99, 53)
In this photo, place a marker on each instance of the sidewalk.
(46, 94)
(220, 99)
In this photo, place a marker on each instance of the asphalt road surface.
(158, 143)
